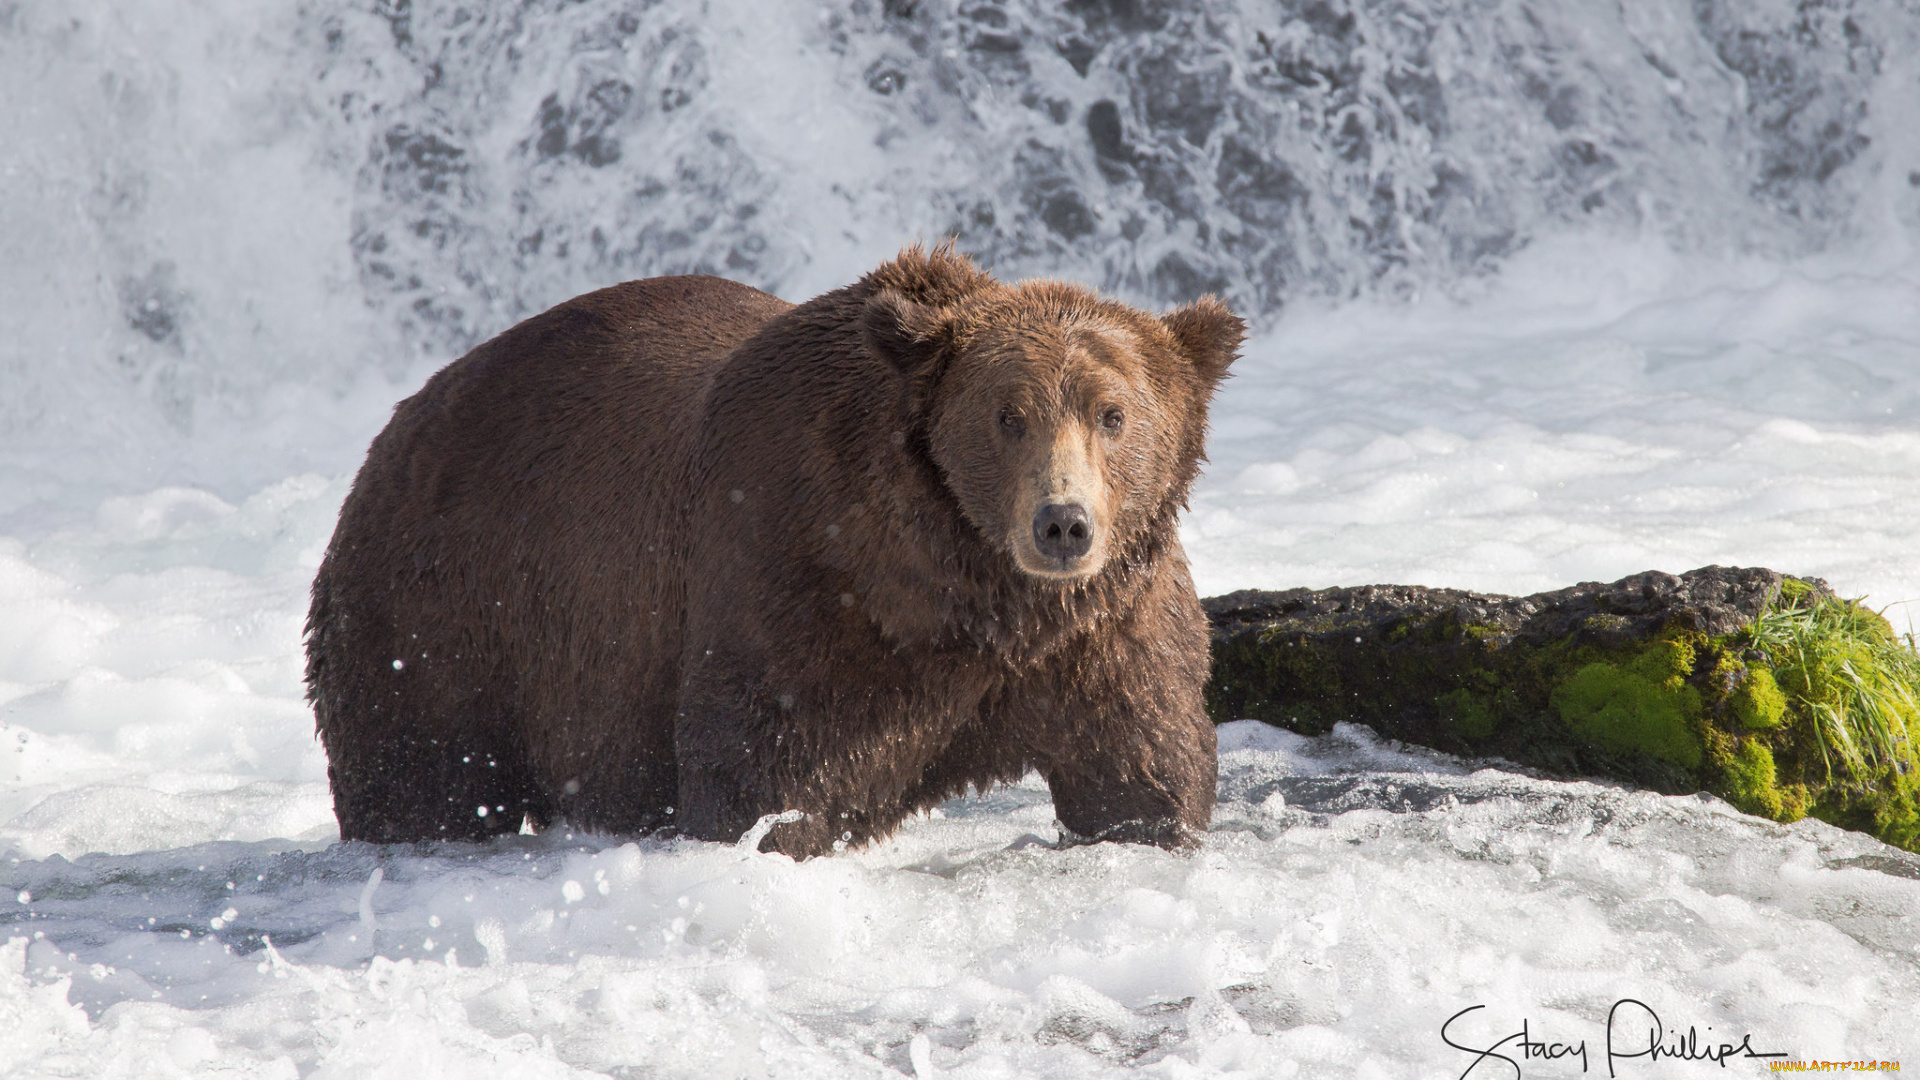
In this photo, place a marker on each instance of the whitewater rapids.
(1544, 292)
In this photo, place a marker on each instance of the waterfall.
(223, 218)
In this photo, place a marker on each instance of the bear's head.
(1066, 426)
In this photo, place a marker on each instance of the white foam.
(1652, 392)
(1353, 896)
(1440, 445)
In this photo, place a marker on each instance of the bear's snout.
(1062, 531)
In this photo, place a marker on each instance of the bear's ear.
(1208, 333)
(907, 335)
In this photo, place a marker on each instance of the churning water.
(1543, 292)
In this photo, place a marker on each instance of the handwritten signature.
(1633, 1030)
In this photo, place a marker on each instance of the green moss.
(1286, 679)
(1757, 701)
(1897, 821)
(1752, 783)
(1471, 718)
(1667, 661)
(1886, 806)
(1795, 802)
(1312, 681)
(1604, 624)
(1644, 706)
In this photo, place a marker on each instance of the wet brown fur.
(677, 554)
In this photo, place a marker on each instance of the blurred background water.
(231, 234)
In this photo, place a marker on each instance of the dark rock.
(1760, 687)
(1713, 600)
(1480, 674)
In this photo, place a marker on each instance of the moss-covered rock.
(1762, 688)
(1637, 707)
(1756, 700)
(1751, 782)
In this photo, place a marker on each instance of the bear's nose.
(1062, 531)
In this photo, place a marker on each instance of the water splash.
(255, 224)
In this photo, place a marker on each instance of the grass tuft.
(1841, 664)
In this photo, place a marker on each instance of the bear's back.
(553, 461)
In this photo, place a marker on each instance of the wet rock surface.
(1477, 674)
(1713, 600)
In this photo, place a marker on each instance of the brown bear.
(677, 555)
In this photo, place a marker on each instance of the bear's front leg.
(1137, 784)
(736, 763)
(851, 737)
(1125, 743)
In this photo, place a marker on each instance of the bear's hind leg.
(410, 786)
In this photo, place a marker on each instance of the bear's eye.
(1112, 419)
(1010, 421)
